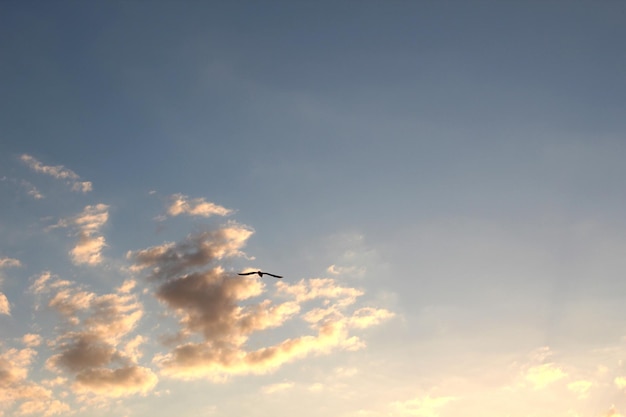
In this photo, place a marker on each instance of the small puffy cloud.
(88, 249)
(68, 301)
(39, 286)
(127, 286)
(425, 406)
(82, 186)
(357, 271)
(31, 340)
(9, 262)
(543, 375)
(59, 172)
(181, 204)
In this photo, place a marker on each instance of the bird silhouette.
(259, 273)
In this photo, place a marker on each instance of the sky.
(441, 184)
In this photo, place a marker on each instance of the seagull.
(259, 273)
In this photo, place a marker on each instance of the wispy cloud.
(181, 204)
(59, 172)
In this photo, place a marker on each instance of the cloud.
(543, 375)
(15, 386)
(425, 406)
(181, 204)
(223, 309)
(44, 408)
(31, 190)
(59, 172)
(9, 262)
(5, 307)
(306, 290)
(95, 347)
(580, 388)
(88, 249)
(278, 387)
(31, 340)
(346, 270)
(170, 259)
(120, 382)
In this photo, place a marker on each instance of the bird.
(259, 273)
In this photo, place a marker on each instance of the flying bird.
(259, 273)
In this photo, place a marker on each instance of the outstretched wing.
(272, 275)
(248, 273)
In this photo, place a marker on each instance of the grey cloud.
(84, 351)
(171, 259)
(115, 383)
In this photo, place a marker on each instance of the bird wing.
(247, 273)
(272, 275)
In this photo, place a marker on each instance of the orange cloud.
(88, 249)
(15, 386)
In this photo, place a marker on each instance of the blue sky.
(440, 183)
